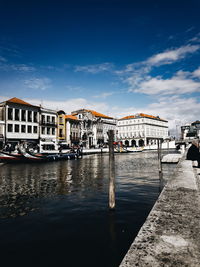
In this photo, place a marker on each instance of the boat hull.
(28, 157)
(8, 157)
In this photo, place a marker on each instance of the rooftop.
(142, 115)
(71, 117)
(93, 112)
(18, 101)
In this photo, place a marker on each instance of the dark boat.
(27, 156)
(10, 157)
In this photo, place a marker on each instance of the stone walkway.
(171, 158)
(171, 234)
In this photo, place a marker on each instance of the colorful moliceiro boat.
(32, 157)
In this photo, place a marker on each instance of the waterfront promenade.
(171, 234)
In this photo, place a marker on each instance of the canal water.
(56, 213)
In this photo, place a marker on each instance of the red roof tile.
(70, 117)
(97, 114)
(18, 101)
(142, 115)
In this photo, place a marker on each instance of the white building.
(72, 130)
(141, 129)
(19, 121)
(48, 129)
(94, 127)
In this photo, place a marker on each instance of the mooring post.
(111, 171)
(159, 158)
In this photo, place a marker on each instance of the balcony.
(48, 123)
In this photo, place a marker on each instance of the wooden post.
(159, 158)
(111, 171)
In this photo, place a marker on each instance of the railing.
(48, 123)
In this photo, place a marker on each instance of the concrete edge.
(144, 250)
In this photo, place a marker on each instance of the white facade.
(141, 129)
(23, 122)
(94, 127)
(48, 129)
(20, 121)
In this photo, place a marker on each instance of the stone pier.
(171, 234)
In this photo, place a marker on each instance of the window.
(53, 131)
(61, 120)
(29, 129)
(10, 113)
(10, 128)
(16, 128)
(35, 116)
(43, 130)
(53, 120)
(35, 129)
(48, 130)
(60, 133)
(23, 128)
(23, 115)
(17, 114)
(29, 116)
(48, 118)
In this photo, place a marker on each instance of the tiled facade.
(94, 127)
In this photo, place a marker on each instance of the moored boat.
(10, 157)
(27, 156)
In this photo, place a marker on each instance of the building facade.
(68, 129)
(141, 129)
(23, 122)
(48, 129)
(72, 130)
(94, 127)
(19, 122)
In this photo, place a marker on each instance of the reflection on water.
(62, 207)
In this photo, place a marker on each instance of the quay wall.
(170, 235)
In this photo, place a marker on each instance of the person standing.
(193, 152)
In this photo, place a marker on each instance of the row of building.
(23, 122)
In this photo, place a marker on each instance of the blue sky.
(118, 57)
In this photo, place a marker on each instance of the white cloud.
(182, 82)
(139, 69)
(196, 73)
(73, 104)
(15, 67)
(38, 83)
(171, 56)
(175, 85)
(96, 68)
